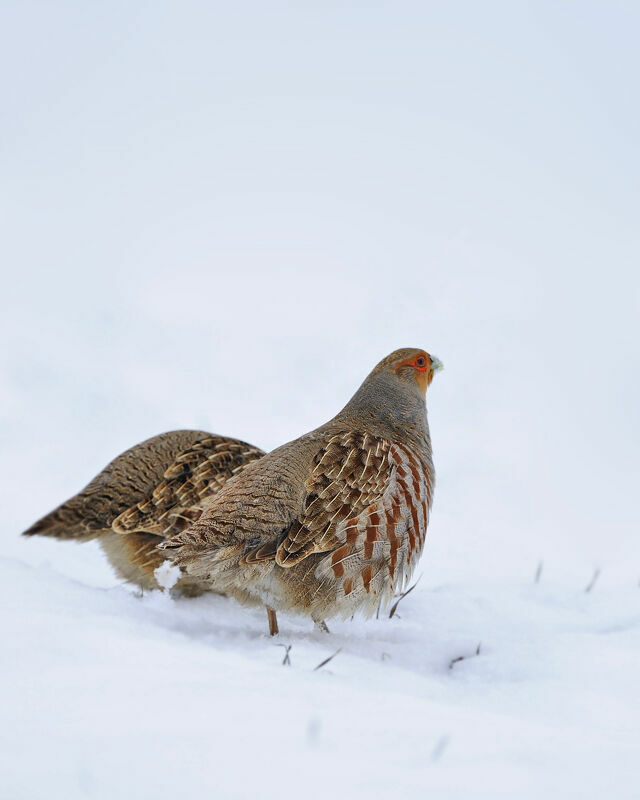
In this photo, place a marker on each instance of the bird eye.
(420, 361)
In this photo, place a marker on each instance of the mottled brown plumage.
(152, 490)
(335, 521)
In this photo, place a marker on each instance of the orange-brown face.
(424, 367)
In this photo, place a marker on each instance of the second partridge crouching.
(150, 491)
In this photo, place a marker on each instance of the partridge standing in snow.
(155, 489)
(335, 521)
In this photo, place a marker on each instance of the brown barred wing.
(197, 474)
(348, 475)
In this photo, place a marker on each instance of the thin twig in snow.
(538, 572)
(593, 580)
(404, 594)
(327, 660)
(438, 750)
(464, 658)
(286, 661)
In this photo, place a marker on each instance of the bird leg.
(273, 621)
(321, 625)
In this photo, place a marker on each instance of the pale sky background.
(223, 215)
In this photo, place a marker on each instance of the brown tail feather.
(63, 524)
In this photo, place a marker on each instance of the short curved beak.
(436, 364)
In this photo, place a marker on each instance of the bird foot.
(321, 625)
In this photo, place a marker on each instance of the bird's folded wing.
(196, 474)
(349, 475)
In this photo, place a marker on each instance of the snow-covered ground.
(222, 216)
(108, 694)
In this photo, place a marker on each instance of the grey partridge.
(333, 522)
(152, 490)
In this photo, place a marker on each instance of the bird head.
(411, 365)
(393, 394)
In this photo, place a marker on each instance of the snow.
(167, 575)
(221, 216)
(476, 688)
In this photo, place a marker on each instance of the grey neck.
(389, 407)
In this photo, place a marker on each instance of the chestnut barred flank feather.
(333, 522)
(379, 546)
